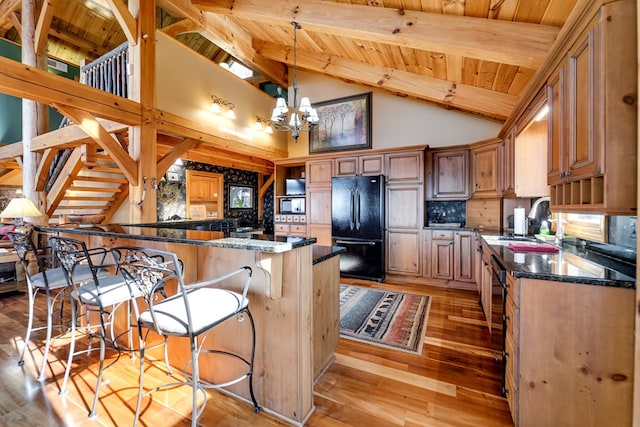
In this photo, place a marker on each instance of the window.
(237, 69)
(584, 226)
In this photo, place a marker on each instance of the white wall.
(185, 82)
(398, 121)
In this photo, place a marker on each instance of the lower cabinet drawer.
(442, 235)
(299, 229)
(281, 228)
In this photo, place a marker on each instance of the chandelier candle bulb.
(309, 116)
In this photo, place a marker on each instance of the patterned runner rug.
(389, 319)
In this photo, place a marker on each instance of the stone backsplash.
(446, 211)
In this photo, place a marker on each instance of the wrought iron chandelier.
(303, 117)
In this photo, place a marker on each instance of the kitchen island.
(284, 300)
(568, 329)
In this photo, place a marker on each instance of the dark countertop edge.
(227, 242)
(430, 227)
(323, 253)
(557, 277)
(581, 280)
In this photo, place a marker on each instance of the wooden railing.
(109, 72)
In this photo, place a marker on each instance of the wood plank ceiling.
(475, 56)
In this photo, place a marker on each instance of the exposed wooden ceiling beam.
(11, 150)
(42, 27)
(7, 7)
(88, 123)
(22, 81)
(488, 103)
(212, 155)
(229, 37)
(180, 27)
(125, 19)
(508, 42)
(68, 136)
(13, 19)
(174, 153)
(171, 124)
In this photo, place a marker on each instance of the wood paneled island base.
(281, 301)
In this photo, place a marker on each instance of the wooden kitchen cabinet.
(404, 205)
(319, 214)
(404, 254)
(405, 166)
(319, 172)
(574, 93)
(359, 165)
(464, 250)
(318, 177)
(442, 254)
(508, 163)
(485, 175)
(448, 174)
(478, 263)
(577, 360)
(592, 118)
(205, 189)
(450, 255)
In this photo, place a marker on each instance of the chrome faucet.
(533, 213)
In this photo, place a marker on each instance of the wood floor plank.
(455, 382)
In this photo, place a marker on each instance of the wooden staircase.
(90, 184)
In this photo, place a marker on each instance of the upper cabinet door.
(557, 127)
(407, 166)
(448, 174)
(486, 176)
(319, 172)
(583, 93)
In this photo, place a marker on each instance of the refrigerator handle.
(351, 242)
(351, 210)
(357, 209)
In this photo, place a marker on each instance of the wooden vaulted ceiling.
(475, 56)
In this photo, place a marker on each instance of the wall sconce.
(218, 105)
(264, 124)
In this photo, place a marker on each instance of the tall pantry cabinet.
(404, 211)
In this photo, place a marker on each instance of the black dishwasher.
(498, 301)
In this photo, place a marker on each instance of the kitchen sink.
(518, 238)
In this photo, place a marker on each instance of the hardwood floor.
(455, 382)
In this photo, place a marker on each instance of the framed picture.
(345, 124)
(240, 197)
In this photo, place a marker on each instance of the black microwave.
(292, 205)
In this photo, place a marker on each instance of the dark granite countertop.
(572, 263)
(448, 227)
(323, 253)
(201, 235)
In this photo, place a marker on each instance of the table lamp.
(20, 207)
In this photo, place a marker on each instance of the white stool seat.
(208, 308)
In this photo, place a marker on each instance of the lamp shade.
(19, 208)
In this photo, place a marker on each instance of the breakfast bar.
(284, 301)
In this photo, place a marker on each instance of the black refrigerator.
(357, 210)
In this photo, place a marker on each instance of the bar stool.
(43, 278)
(192, 312)
(100, 295)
